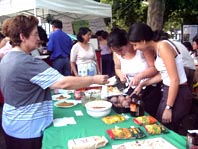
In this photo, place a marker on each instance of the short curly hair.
(20, 24)
(5, 26)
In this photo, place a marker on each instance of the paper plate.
(59, 97)
(112, 81)
(65, 103)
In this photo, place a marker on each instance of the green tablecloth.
(57, 137)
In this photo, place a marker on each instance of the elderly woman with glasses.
(25, 83)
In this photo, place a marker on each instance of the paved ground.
(2, 141)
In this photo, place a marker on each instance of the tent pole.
(35, 13)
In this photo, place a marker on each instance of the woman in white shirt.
(83, 57)
(177, 97)
(136, 66)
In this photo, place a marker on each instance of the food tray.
(119, 110)
(126, 133)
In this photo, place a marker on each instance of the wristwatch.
(168, 107)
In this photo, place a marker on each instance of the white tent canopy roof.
(70, 9)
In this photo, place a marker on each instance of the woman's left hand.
(167, 116)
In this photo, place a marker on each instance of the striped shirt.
(25, 82)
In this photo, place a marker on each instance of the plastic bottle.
(77, 94)
(133, 105)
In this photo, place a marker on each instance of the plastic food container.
(119, 109)
(98, 108)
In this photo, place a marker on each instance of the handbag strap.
(174, 46)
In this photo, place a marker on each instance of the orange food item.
(155, 129)
(97, 107)
(61, 97)
(144, 120)
(119, 133)
(113, 119)
(65, 104)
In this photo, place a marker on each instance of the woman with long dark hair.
(177, 97)
(134, 66)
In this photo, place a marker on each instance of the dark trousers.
(16, 143)
(62, 65)
(108, 65)
(190, 73)
(151, 97)
(180, 109)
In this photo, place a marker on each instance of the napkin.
(59, 122)
(104, 92)
(92, 142)
(63, 91)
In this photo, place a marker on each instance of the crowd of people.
(25, 84)
(161, 70)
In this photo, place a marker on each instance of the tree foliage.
(126, 12)
(177, 12)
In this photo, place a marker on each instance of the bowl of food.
(93, 93)
(98, 108)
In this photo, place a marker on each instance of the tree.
(155, 14)
(126, 12)
(161, 14)
(178, 12)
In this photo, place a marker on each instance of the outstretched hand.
(100, 79)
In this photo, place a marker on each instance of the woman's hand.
(135, 80)
(137, 90)
(123, 78)
(167, 116)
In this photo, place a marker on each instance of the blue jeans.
(62, 65)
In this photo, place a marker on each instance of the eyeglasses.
(35, 34)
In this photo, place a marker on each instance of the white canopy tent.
(69, 10)
(72, 9)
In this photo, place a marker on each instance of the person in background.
(26, 84)
(176, 92)
(189, 47)
(2, 43)
(195, 45)
(136, 66)
(59, 46)
(43, 36)
(83, 56)
(42, 43)
(188, 62)
(1, 39)
(5, 45)
(106, 53)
